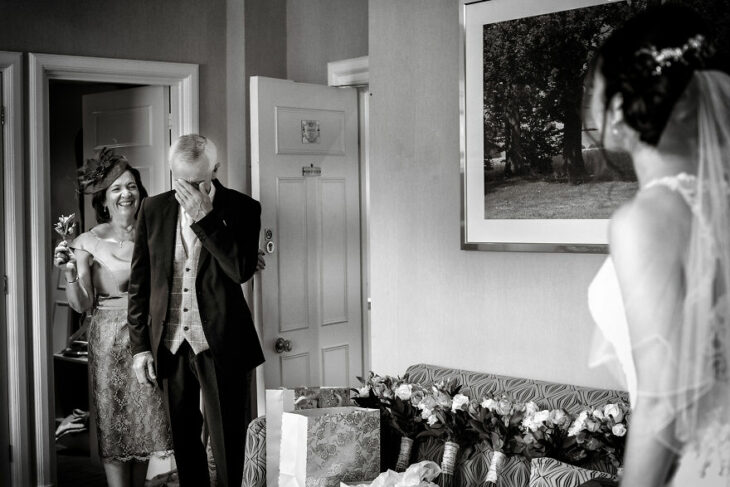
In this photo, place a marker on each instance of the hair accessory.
(663, 58)
(100, 173)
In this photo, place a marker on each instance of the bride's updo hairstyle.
(650, 60)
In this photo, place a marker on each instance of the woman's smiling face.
(122, 197)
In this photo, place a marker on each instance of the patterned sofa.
(469, 472)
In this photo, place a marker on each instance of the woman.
(130, 418)
(661, 299)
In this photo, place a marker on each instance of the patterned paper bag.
(323, 447)
(278, 401)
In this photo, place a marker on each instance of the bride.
(661, 299)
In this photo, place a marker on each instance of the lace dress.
(705, 462)
(130, 418)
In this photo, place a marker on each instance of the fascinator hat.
(98, 174)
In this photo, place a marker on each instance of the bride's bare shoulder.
(657, 220)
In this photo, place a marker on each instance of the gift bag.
(278, 401)
(323, 447)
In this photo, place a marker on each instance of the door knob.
(282, 345)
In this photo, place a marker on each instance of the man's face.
(197, 174)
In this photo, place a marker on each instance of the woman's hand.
(64, 259)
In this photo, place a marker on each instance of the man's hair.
(192, 149)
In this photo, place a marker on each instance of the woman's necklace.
(128, 235)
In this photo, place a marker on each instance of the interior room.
(347, 120)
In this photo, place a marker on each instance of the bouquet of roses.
(602, 431)
(497, 419)
(406, 418)
(376, 392)
(446, 413)
(545, 434)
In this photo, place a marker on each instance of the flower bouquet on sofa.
(446, 413)
(497, 420)
(406, 418)
(601, 432)
(375, 392)
(545, 434)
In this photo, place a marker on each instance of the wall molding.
(349, 72)
(184, 107)
(11, 69)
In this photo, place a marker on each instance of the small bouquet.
(65, 226)
(602, 431)
(445, 410)
(545, 434)
(497, 419)
(406, 418)
(375, 393)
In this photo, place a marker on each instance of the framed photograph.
(534, 176)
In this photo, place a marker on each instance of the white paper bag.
(278, 401)
(322, 447)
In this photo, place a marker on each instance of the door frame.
(355, 73)
(11, 69)
(183, 82)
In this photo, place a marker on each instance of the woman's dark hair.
(99, 197)
(630, 66)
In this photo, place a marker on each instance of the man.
(188, 320)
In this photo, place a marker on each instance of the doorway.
(51, 74)
(85, 117)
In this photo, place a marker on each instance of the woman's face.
(122, 197)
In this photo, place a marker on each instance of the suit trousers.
(227, 412)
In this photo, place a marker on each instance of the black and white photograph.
(365, 243)
(542, 158)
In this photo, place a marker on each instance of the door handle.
(282, 345)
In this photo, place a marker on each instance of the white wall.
(320, 31)
(516, 314)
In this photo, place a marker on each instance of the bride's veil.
(699, 395)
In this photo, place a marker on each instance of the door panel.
(305, 166)
(134, 122)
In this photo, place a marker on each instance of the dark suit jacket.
(229, 236)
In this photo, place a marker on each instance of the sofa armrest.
(254, 463)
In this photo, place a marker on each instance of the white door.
(4, 400)
(305, 173)
(135, 123)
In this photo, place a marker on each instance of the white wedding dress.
(704, 462)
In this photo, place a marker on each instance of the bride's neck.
(652, 163)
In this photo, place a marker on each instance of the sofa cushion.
(547, 394)
(548, 472)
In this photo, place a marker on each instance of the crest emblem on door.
(310, 131)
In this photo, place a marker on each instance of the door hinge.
(5, 285)
(169, 120)
(2, 115)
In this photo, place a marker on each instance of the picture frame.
(579, 235)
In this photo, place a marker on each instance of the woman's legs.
(126, 474)
(117, 473)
